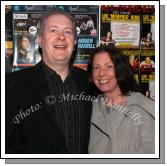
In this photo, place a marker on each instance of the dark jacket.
(29, 125)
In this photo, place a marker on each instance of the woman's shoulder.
(139, 100)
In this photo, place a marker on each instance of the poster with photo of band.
(86, 24)
(123, 23)
(147, 65)
(87, 34)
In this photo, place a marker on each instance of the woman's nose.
(101, 72)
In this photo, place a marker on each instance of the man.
(43, 113)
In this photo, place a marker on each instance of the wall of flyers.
(132, 29)
(26, 25)
(129, 27)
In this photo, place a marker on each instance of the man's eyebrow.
(55, 26)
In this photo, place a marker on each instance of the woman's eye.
(95, 67)
(110, 66)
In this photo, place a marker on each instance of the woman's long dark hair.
(123, 70)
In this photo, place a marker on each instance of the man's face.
(148, 59)
(58, 39)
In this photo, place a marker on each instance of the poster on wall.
(148, 28)
(86, 24)
(8, 39)
(85, 48)
(8, 56)
(86, 20)
(120, 26)
(25, 28)
(26, 51)
(133, 58)
(26, 25)
(148, 31)
(147, 65)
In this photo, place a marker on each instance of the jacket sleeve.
(147, 126)
(147, 134)
(10, 109)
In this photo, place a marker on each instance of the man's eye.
(68, 32)
(54, 30)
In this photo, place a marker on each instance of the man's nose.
(61, 35)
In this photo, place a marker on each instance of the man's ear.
(75, 41)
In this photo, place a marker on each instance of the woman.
(122, 120)
(108, 39)
(24, 55)
(148, 41)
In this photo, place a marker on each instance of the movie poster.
(120, 26)
(147, 65)
(133, 58)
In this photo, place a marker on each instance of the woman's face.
(25, 44)
(104, 73)
(149, 36)
(109, 34)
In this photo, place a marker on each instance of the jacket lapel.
(108, 122)
(41, 90)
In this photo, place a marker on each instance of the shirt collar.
(50, 72)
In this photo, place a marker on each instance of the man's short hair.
(55, 12)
